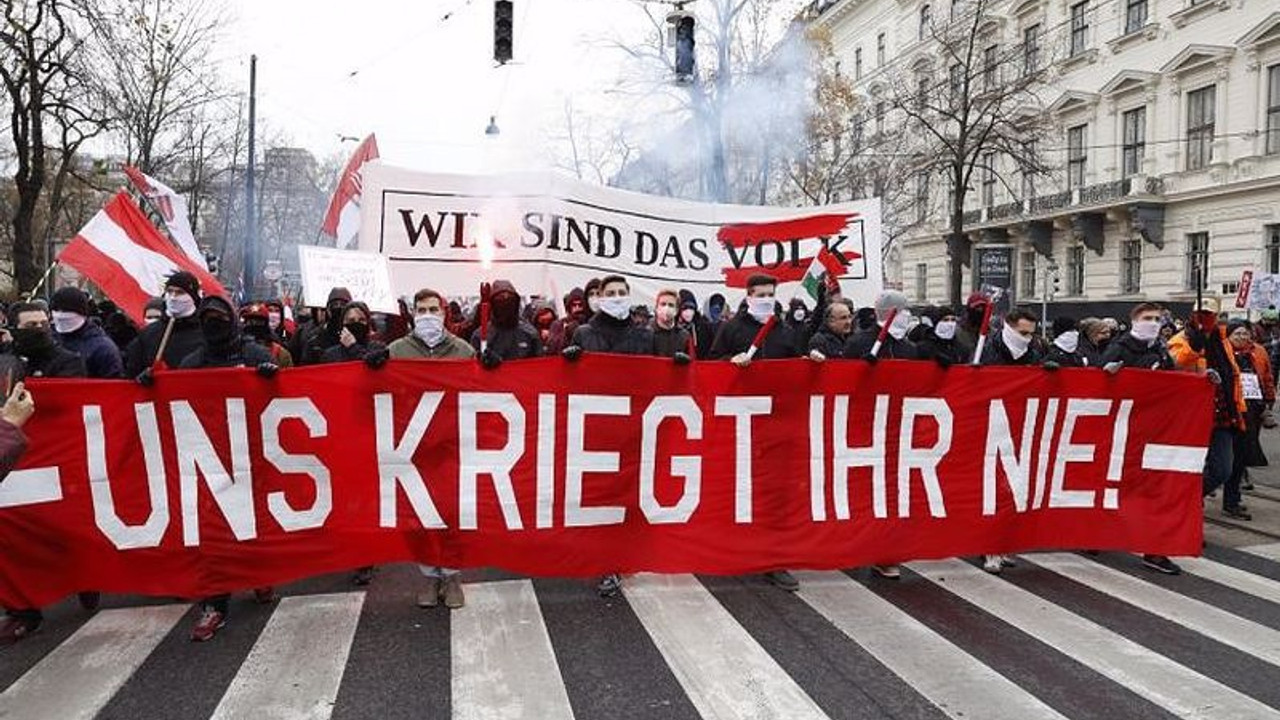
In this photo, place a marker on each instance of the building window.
(1135, 141)
(1031, 49)
(1029, 153)
(957, 82)
(1197, 260)
(857, 63)
(1028, 265)
(1273, 249)
(1075, 270)
(880, 118)
(1135, 16)
(922, 91)
(988, 179)
(880, 50)
(856, 132)
(922, 281)
(1077, 157)
(989, 67)
(1131, 266)
(925, 13)
(922, 197)
(1273, 109)
(1200, 124)
(1079, 28)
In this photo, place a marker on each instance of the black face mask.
(259, 330)
(217, 330)
(334, 314)
(506, 308)
(359, 330)
(32, 342)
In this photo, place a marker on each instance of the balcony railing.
(1006, 210)
(1103, 192)
(1047, 203)
(1091, 195)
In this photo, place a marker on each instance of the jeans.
(437, 572)
(1218, 464)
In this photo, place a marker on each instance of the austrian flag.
(122, 253)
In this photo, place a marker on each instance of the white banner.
(548, 233)
(365, 274)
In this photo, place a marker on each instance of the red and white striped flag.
(172, 208)
(123, 253)
(342, 220)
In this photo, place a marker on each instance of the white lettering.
(292, 519)
(923, 459)
(579, 461)
(1059, 496)
(121, 534)
(742, 409)
(232, 491)
(688, 467)
(1015, 461)
(497, 464)
(395, 460)
(844, 458)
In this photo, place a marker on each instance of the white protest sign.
(548, 233)
(1264, 292)
(365, 274)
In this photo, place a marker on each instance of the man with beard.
(27, 350)
(181, 296)
(256, 321)
(891, 308)
(321, 337)
(224, 347)
(431, 341)
(668, 337)
(510, 337)
(830, 339)
(576, 314)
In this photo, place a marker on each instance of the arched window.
(925, 12)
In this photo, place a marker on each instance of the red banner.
(221, 480)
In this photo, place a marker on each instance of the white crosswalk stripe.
(1270, 551)
(721, 649)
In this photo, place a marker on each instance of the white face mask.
(273, 319)
(1146, 330)
(617, 307)
(900, 325)
(180, 306)
(593, 303)
(760, 308)
(67, 322)
(1017, 344)
(1068, 341)
(429, 328)
(666, 314)
(945, 330)
(687, 315)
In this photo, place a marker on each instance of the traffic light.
(503, 33)
(211, 260)
(684, 47)
(1055, 278)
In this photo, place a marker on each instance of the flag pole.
(43, 279)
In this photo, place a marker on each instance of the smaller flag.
(825, 266)
(342, 220)
(123, 253)
(172, 208)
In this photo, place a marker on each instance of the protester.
(1011, 346)
(941, 342)
(669, 337)
(592, 292)
(115, 324)
(181, 296)
(576, 314)
(797, 318)
(1095, 335)
(1141, 346)
(326, 335)
(970, 327)
(1258, 389)
(1064, 350)
(890, 307)
(255, 319)
(17, 410)
(736, 336)
(696, 325)
(152, 312)
(509, 336)
(224, 347)
(355, 339)
(279, 322)
(75, 332)
(544, 317)
(431, 341)
(829, 340)
(640, 316)
(716, 312)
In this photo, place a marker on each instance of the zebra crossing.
(1059, 636)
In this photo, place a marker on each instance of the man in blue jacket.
(76, 332)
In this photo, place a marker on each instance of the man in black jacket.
(669, 336)
(735, 336)
(941, 342)
(1141, 346)
(895, 345)
(695, 324)
(510, 336)
(181, 297)
(321, 336)
(1064, 351)
(829, 340)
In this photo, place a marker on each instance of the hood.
(338, 293)
(578, 296)
(687, 300)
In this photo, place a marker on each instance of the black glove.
(1051, 365)
(572, 353)
(1195, 336)
(871, 358)
(146, 378)
(943, 361)
(376, 358)
(681, 358)
(489, 359)
(268, 369)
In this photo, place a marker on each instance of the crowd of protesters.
(72, 336)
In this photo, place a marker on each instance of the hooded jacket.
(561, 335)
(700, 328)
(605, 334)
(512, 338)
(356, 351)
(101, 356)
(185, 339)
(238, 351)
(321, 337)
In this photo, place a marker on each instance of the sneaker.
(888, 572)
(1006, 561)
(992, 564)
(90, 600)
(1160, 563)
(1238, 512)
(1246, 484)
(430, 597)
(451, 592)
(363, 576)
(609, 586)
(210, 622)
(264, 595)
(783, 579)
(16, 627)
